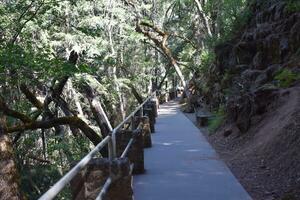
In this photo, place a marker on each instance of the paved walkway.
(182, 165)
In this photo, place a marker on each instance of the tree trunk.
(98, 112)
(9, 177)
(76, 98)
(161, 42)
(135, 93)
(204, 18)
(117, 87)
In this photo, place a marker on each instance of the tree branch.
(135, 93)
(31, 97)
(74, 121)
(21, 27)
(162, 44)
(163, 79)
(12, 113)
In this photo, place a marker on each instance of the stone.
(202, 117)
(261, 79)
(224, 56)
(240, 68)
(244, 112)
(153, 104)
(227, 132)
(151, 115)
(88, 183)
(144, 124)
(202, 120)
(262, 31)
(232, 109)
(250, 74)
(136, 151)
(272, 70)
(272, 49)
(146, 131)
(284, 46)
(294, 37)
(258, 61)
(245, 52)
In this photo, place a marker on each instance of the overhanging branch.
(12, 113)
(74, 121)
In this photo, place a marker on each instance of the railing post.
(114, 144)
(132, 125)
(110, 150)
(141, 112)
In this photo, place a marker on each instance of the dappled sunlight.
(180, 160)
(167, 111)
(100, 90)
(182, 174)
(192, 150)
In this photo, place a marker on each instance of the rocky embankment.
(256, 79)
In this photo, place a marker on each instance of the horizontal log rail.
(109, 140)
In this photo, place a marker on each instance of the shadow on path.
(182, 165)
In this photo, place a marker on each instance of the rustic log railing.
(109, 140)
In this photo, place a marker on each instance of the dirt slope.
(266, 159)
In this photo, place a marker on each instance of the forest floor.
(265, 159)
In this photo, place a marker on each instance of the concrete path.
(182, 165)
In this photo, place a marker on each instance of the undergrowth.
(293, 6)
(286, 78)
(215, 122)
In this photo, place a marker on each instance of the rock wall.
(260, 137)
(242, 78)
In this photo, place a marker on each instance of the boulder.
(244, 52)
(250, 74)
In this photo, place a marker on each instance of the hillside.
(254, 87)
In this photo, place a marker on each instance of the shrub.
(286, 78)
(293, 6)
(207, 58)
(218, 119)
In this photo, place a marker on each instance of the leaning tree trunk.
(9, 177)
(118, 91)
(160, 39)
(204, 18)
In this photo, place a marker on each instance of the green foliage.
(207, 58)
(215, 122)
(231, 16)
(36, 38)
(35, 180)
(292, 6)
(286, 78)
(61, 151)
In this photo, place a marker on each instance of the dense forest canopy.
(57, 57)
